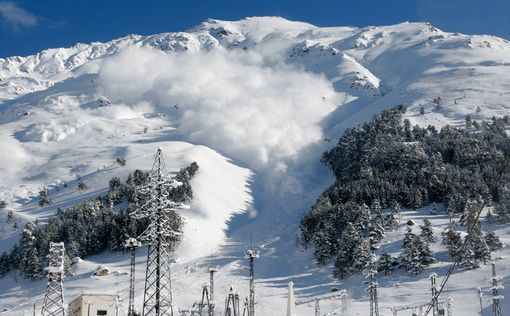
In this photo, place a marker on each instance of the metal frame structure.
(157, 299)
(132, 244)
(53, 304)
(317, 299)
(251, 255)
(419, 307)
(232, 307)
(496, 307)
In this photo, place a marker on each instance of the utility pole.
(433, 290)
(132, 244)
(157, 299)
(480, 295)
(496, 307)
(211, 270)
(53, 304)
(251, 255)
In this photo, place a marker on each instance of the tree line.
(388, 163)
(94, 226)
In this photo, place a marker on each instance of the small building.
(94, 305)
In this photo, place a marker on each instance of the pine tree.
(44, 197)
(325, 247)
(364, 220)
(386, 263)
(453, 241)
(361, 255)
(427, 233)
(5, 264)
(480, 248)
(82, 186)
(29, 257)
(347, 251)
(493, 241)
(391, 220)
(376, 229)
(10, 216)
(503, 207)
(467, 256)
(426, 254)
(410, 258)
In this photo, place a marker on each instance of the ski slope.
(255, 102)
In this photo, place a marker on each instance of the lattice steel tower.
(251, 255)
(53, 304)
(372, 288)
(159, 210)
(132, 244)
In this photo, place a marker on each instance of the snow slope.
(255, 103)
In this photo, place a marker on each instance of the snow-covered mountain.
(255, 102)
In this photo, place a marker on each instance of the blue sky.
(28, 26)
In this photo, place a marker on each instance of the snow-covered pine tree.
(480, 248)
(5, 264)
(361, 255)
(386, 263)
(324, 247)
(376, 229)
(364, 219)
(29, 257)
(503, 208)
(426, 254)
(345, 258)
(467, 256)
(410, 257)
(493, 241)
(453, 241)
(427, 233)
(44, 197)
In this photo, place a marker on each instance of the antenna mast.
(251, 255)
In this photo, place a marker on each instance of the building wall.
(100, 305)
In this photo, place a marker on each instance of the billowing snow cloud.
(260, 111)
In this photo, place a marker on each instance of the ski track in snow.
(252, 102)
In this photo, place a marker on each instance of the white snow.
(254, 103)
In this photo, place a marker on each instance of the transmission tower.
(496, 307)
(159, 210)
(132, 244)
(251, 255)
(53, 304)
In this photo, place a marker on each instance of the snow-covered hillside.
(255, 102)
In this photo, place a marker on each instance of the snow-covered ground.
(255, 102)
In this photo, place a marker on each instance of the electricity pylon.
(53, 304)
(160, 234)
